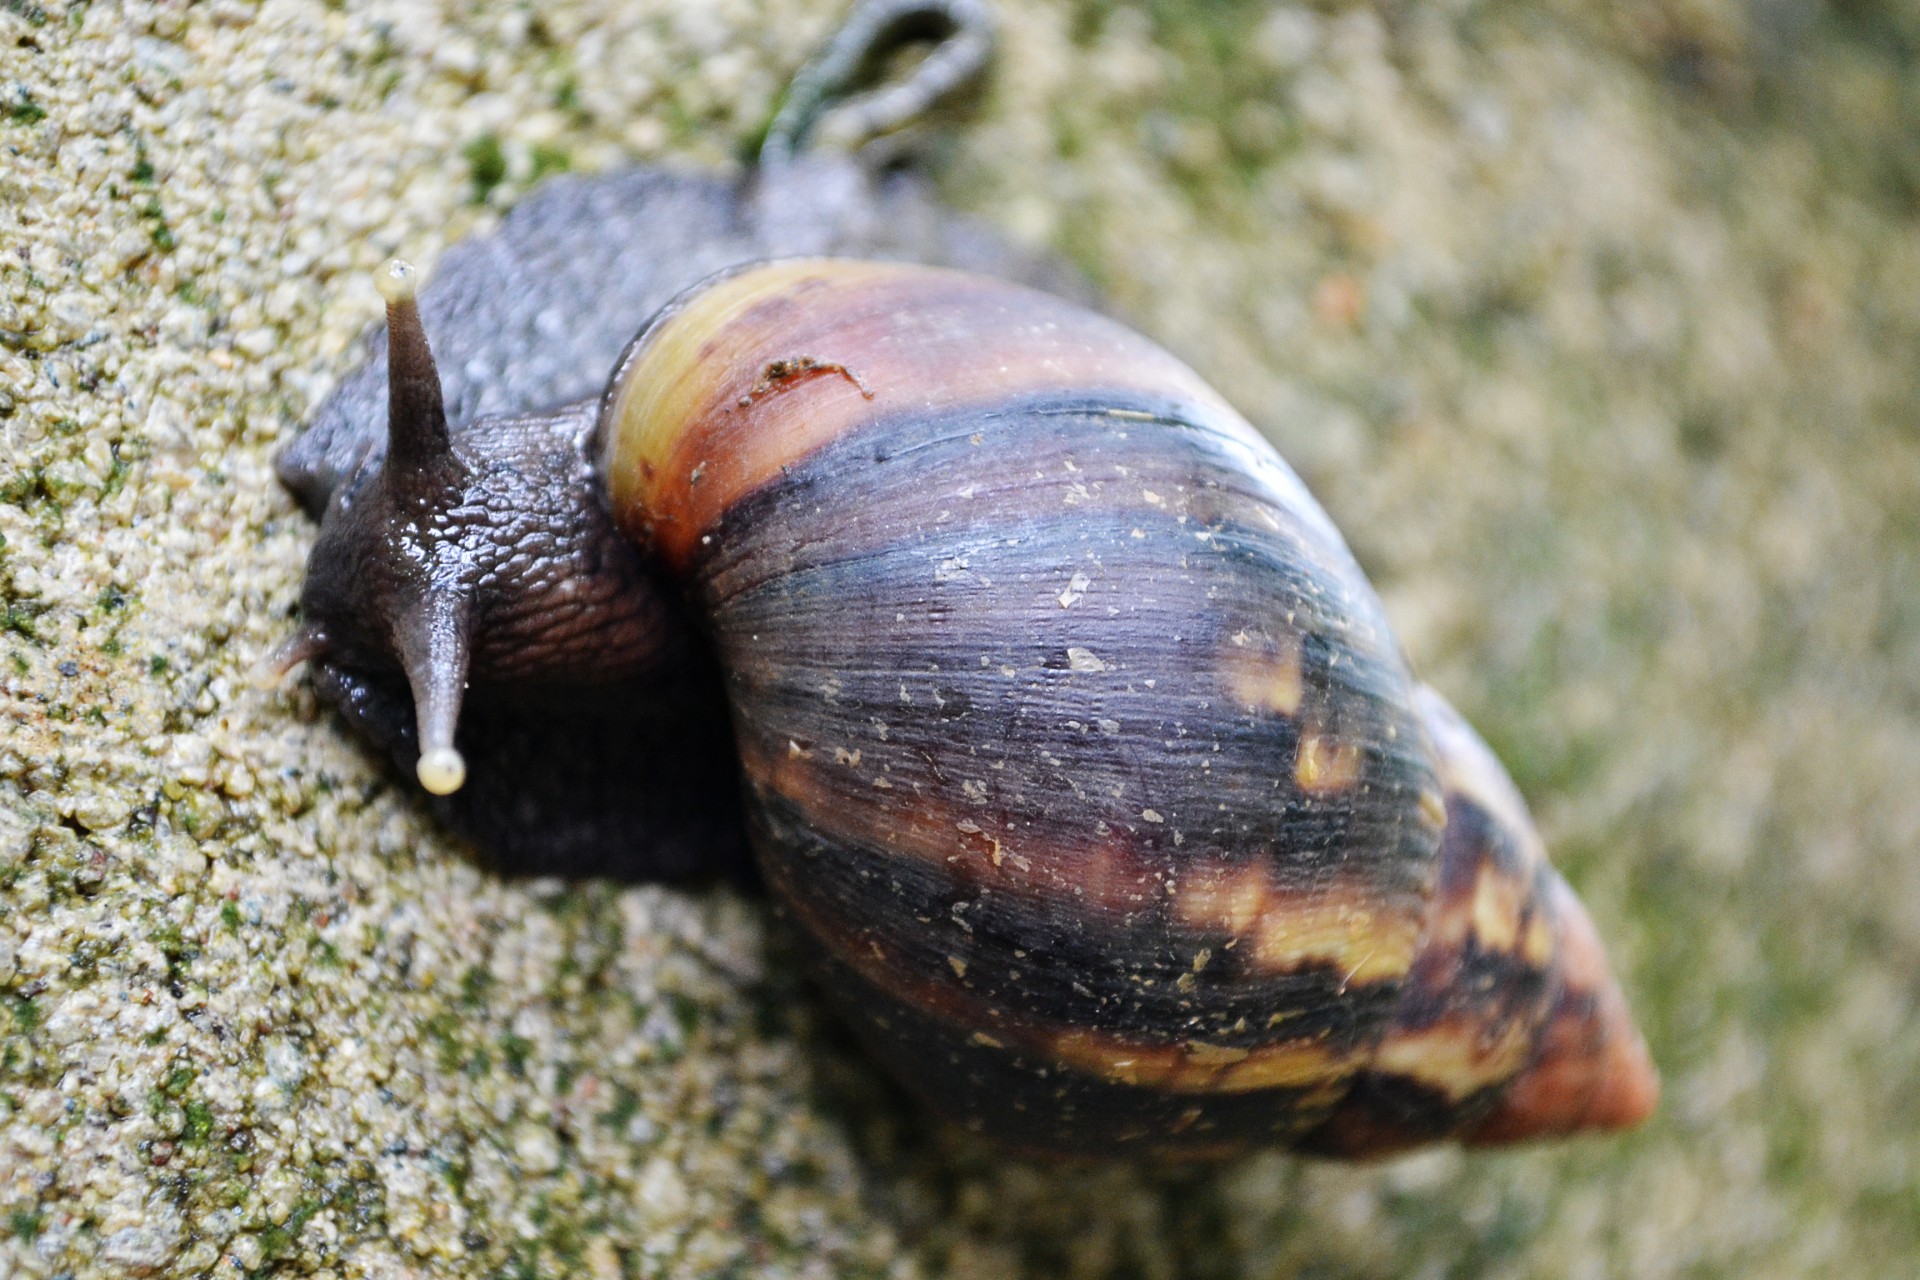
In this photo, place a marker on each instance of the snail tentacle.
(433, 637)
(434, 643)
(416, 412)
(309, 641)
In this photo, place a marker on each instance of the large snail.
(1066, 726)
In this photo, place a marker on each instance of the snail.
(1052, 707)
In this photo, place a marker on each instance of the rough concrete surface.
(1594, 326)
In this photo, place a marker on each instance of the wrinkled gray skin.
(602, 753)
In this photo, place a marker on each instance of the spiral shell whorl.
(757, 368)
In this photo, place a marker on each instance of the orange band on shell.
(757, 370)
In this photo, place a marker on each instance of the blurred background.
(1594, 327)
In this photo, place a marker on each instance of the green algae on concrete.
(1595, 328)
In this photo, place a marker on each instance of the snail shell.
(1075, 739)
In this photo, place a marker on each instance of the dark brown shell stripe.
(866, 611)
(1116, 926)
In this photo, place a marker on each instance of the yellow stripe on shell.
(1196, 1066)
(1455, 1056)
(1323, 766)
(1497, 903)
(1340, 931)
(1340, 927)
(1265, 674)
(1341, 924)
(1537, 947)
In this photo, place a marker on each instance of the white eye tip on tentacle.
(397, 281)
(442, 770)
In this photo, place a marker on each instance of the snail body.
(1066, 727)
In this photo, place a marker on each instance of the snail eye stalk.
(417, 436)
(433, 640)
(433, 635)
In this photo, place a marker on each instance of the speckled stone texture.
(1594, 326)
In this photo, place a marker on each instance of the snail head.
(472, 558)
